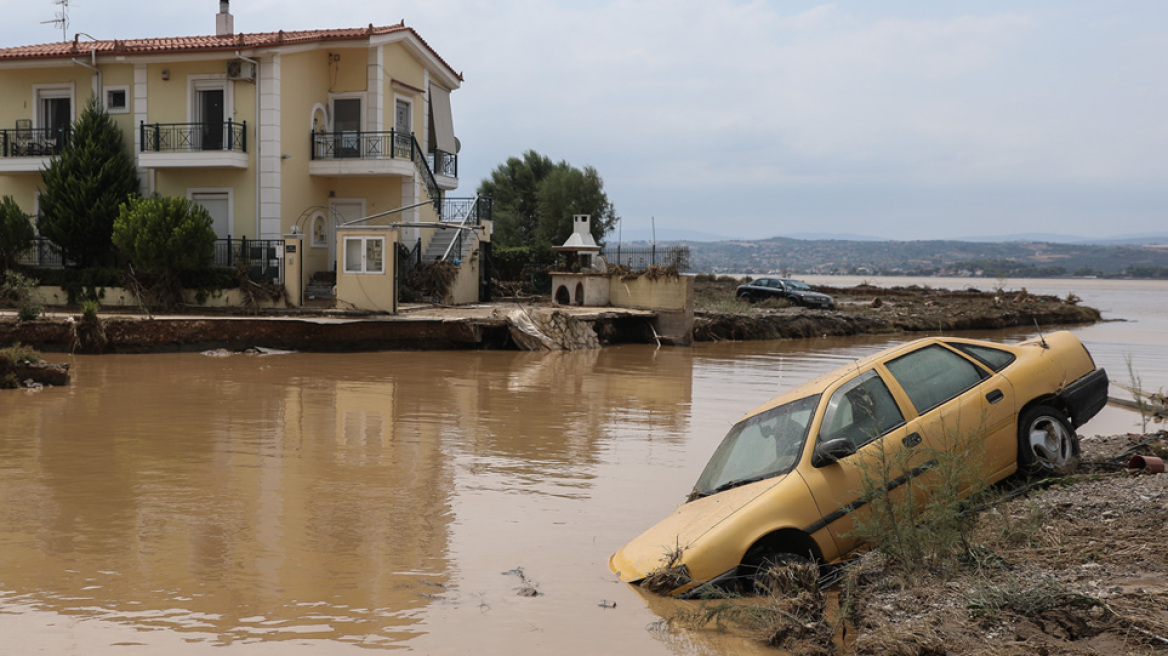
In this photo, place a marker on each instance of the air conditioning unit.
(237, 69)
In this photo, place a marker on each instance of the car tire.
(1047, 444)
(757, 572)
(748, 297)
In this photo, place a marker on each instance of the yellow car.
(789, 477)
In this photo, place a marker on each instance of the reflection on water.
(342, 502)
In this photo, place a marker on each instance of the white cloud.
(687, 105)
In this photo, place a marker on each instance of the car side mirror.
(831, 451)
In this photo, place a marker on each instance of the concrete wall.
(663, 293)
(672, 299)
(120, 297)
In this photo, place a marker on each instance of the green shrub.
(163, 237)
(922, 524)
(165, 233)
(29, 311)
(16, 289)
(16, 232)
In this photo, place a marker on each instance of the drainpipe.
(256, 138)
(93, 66)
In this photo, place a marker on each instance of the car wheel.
(777, 573)
(748, 297)
(1046, 442)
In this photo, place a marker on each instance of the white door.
(342, 211)
(218, 205)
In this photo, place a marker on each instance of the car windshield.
(765, 445)
(798, 284)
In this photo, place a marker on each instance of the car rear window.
(995, 359)
(933, 375)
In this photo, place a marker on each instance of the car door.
(963, 410)
(885, 454)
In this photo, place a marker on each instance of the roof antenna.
(1041, 338)
(61, 18)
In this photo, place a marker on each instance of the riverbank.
(718, 316)
(866, 309)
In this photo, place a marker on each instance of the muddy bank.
(455, 331)
(871, 310)
(1076, 566)
(32, 374)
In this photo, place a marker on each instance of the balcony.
(193, 145)
(27, 150)
(355, 153)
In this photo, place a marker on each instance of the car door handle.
(912, 440)
(994, 396)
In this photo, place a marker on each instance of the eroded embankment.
(870, 310)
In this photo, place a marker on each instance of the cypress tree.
(84, 186)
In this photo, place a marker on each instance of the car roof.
(824, 381)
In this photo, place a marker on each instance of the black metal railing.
(193, 137)
(472, 211)
(262, 257)
(33, 142)
(362, 145)
(444, 164)
(376, 145)
(644, 257)
(43, 253)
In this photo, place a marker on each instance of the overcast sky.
(896, 119)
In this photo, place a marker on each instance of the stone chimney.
(224, 21)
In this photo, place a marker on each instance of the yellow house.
(285, 134)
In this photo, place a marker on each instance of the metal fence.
(643, 257)
(362, 145)
(43, 253)
(33, 142)
(262, 257)
(185, 137)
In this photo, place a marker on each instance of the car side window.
(995, 359)
(860, 411)
(933, 375)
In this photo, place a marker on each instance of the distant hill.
(1015, 259)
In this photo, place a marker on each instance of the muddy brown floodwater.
(295, 503)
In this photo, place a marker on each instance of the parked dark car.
(795, 291)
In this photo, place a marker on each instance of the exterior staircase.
(319, 291)
(439, 244)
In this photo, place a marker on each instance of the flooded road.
(330, 503)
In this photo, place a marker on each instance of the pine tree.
(84, 186)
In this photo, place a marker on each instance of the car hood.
(799, 292)
(682, 529)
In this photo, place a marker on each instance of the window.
(117, 99)
(860, 411)
(54, 108)
(767, 444)
(995, 359)
(364, 254)
(933, 375)
(217, 202)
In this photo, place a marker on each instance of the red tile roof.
(189, 44)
